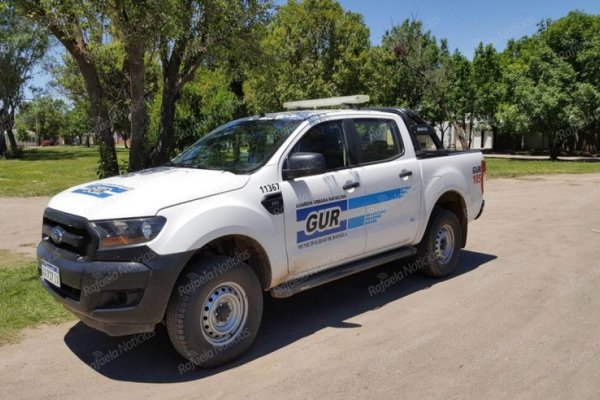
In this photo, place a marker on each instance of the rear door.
(320, 224)
(392, 179)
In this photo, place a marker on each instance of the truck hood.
(144, 193)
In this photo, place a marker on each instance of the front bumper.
(119, 297)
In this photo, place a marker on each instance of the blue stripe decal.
(302, 214)
(303, 237)
(328, 213)
(356, 222)
(376, 198)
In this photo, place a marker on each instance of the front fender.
(192, 225)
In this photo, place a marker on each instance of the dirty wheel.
(215, 311)
(440, 248)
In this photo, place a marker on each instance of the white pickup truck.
(279, 202)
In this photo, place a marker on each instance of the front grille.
(76, 233)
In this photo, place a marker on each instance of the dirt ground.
(21, 222)
(520, 319)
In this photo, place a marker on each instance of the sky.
(463, 22)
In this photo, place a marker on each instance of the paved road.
(519, 320)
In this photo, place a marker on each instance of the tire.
(439, 250)
(215, 311)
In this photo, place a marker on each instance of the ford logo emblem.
(56, 234)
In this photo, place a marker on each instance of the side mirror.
(304, 164)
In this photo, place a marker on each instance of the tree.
(489, 87)
(539, 98)
(22, 45)
(113, 71)
(208, 31)
(138, 24)
(77, 122)
(313, 48)
(80, 26)
(206, 103)
(427, 78)
(45, 116)
(460, 99)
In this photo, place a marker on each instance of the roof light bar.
(329, 102)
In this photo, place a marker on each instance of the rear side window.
(379, 139)
(426, 143)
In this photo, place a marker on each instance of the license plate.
(51, 273)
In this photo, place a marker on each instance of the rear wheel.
(215, 311)
(440, 248)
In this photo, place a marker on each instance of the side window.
(426, 143)
(378, 139)
(329, 140)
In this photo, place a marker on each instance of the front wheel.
(215, 311)
(440, 248)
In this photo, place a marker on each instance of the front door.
(320, 215)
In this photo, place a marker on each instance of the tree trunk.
(494, 138)
(170, 93)
(139, 113)
(482, 139)
(102, 125)
(106, 143)
(459, 132)
(2, 143)
(555, 147)
(7, 122)
(164, 146)
(9, 125)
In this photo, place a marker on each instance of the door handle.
(405, 174)
(352, 185)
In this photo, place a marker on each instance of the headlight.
(127, 232)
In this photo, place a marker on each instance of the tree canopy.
(22, 45)
(163, 73)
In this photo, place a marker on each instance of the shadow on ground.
(284, 321)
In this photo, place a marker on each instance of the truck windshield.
(238, 147)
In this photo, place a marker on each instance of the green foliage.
(313, 48)
(411, 63)
(209, 61)
(205, 103)
(548, 89)
(22, 45)
(23, 302)
(46, 116)
(488, 84)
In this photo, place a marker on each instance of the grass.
(504, 168)
(48, 170)
(23, 302)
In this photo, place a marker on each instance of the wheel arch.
(245, 248)
(453, 201)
